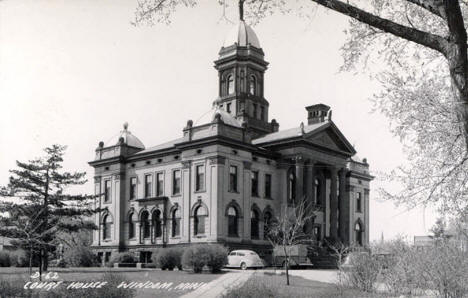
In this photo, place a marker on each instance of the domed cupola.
(241, 67)
(242, 35)
(127, 138)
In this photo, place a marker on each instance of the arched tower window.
(252, 85)
(157, 223)
(230, 84)
(199, 220)
(131, 226)
(106, 227)
(175, 222)
(233, 219)
(145, 224)
(291, 185)
(254, 222)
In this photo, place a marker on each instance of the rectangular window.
(176, 182)
(255, 110)
(358, 202)
(133, 187)
(228, 107)
(262, 113)
(267, 186)
(107, 191)
(233, 178)
(200, 178)
(254, 181)
(148, 185)
(159, 184)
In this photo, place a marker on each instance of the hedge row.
(195, 257)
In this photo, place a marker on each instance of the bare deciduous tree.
(287, 230)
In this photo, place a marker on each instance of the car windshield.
(253, 253)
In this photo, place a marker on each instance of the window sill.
(176, 237)
(268, 198)
(176, 195)
(199, 236)
(234, 191)
(233, 236)
(200, 191)
(255, 196)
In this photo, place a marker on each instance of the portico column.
(299, 179)
(333, 204)
(310, 194)
(344, 208)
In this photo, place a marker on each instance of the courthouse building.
(224, 180)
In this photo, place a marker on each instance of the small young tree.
(288, 229)
(44, 209)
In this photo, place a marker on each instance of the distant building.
(224, 180)
(5, 243)
(424, 242)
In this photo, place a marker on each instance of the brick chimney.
(317, 113)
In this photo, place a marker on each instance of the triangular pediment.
(330, 137)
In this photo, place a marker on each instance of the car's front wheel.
(243, 266)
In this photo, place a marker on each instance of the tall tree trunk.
(30, 260)
(40, 264)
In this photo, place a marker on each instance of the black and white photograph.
(233, 148)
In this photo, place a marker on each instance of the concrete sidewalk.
(221, 285)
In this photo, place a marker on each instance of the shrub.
(194, 257)
(212, 255)
(19, 258)
(363, 272)
(217, 257)
(122, 257)
(444, 269)
(4, 259)
(79, 256)
(168, 258)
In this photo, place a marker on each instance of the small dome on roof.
(242, 35)
(127, 138)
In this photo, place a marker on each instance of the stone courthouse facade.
(223, 181)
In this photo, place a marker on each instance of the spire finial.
(125, 125)
(241, 10)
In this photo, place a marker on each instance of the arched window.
(199, 220)
(232, 222)
(106, 227)
(230, 84)
(291, 185)
(252, 85)
(254, 221)
(175, 222)
(266, 224)
(358, 231)
(145, 224)
(318, 191)
(157, 223)
(131, 227)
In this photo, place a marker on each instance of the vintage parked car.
(244, 259)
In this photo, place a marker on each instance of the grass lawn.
(69, 275)
(272, 285)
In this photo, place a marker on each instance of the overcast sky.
(72, 72)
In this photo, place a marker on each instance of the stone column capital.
(298, 159)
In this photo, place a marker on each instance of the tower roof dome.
(128, 138)
(242, 35)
